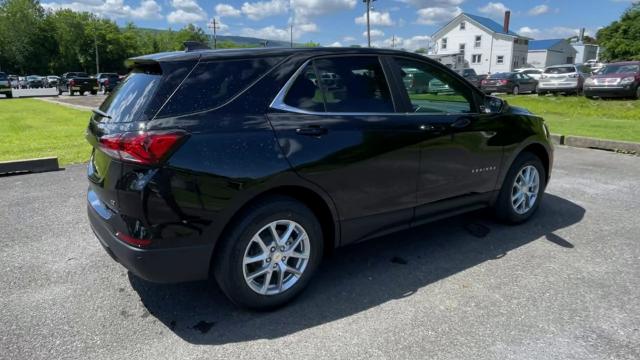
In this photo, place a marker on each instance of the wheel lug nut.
(273, 249)
(268, 259)
(275, 266)
(284, 258)
(282, 248)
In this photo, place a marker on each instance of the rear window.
(501, 76)
(560, 70)
(213, 83)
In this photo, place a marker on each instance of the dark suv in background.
(247, 165)
(5, 85)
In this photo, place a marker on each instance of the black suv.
(5, 85)
(245, 165)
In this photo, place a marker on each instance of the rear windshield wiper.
(101, 113)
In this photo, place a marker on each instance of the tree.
(310, 44)
(24, 41)
(421, 51)
(621, 39)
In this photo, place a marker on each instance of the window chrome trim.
(279, 104)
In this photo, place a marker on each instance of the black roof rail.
(194, 45)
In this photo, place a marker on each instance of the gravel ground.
(566, 285)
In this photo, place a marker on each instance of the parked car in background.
(470, 75)
(594, 66)
(567, 79)
(22, 82)
(15, 81)
(107, 81)
(235, 165)
(77, 82)
(51, 81)
(5, 85)
(415, 81)
(35, 82)
(531, 72)
(620, 79)
(508, 82)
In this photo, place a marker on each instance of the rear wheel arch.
(321, 207)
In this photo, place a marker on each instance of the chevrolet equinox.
(248, 165)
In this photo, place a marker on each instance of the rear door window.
(305, 93)
(354, 84)
(213, 83)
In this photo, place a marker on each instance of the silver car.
(531, 72)
(566, 79)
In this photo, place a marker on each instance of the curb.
(29, 165)
(593, 143)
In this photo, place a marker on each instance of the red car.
(620, 79)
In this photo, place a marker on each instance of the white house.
(488, 47)
(543, 53)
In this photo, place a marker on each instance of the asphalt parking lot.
(566, 285)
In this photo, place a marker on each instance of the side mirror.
(494, 105)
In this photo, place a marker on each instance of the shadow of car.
(358, 277)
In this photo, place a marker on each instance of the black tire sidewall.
(227, 266)
(504, 209)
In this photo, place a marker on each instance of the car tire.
(59, 91)
(71, 93)
(94, 93)
(233, 274)
(637, 95)
(541, 93)
(515, 90)
(514, 205)
(9, 95)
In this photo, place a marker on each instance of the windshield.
(620, 69)
(500, 76)
(560, 70)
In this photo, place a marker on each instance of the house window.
(500, 59)
(463, 25)
(476, 58)
(461, 48)
(478, 42)
(443, 44)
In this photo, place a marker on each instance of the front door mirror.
(493, 105)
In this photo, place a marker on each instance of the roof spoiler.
(194, 45)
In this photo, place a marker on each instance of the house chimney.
(507, 17)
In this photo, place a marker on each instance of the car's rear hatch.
(126, 111)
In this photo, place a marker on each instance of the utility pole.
(213, 25)
(291, 33)
(368, 3)
(393, 42)
(95, 42)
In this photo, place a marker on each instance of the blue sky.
(341, 22)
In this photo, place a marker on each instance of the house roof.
(539, 45)
(489, 24)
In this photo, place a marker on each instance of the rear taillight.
(106, 82)
(483, 82)
(133, 241)
(147, 148)
(503, 82)
(72, 82)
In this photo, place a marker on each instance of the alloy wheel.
(524, 191)
(276, 257)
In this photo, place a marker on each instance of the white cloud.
(114, 9)
(335, 44)
(556, 32)
(539, 10)
(348, 38)
(186, 11)
(494, 10)
(269, 32)
(226, 10)
(262, 9)
(374, 33)
(435, 15)
(412, 43)
(375, 18)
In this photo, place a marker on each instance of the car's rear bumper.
(558, 86)
(157, 265)
(609, 91)
(493, 89)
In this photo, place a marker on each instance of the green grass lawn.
(33, 128)
(576, 115)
